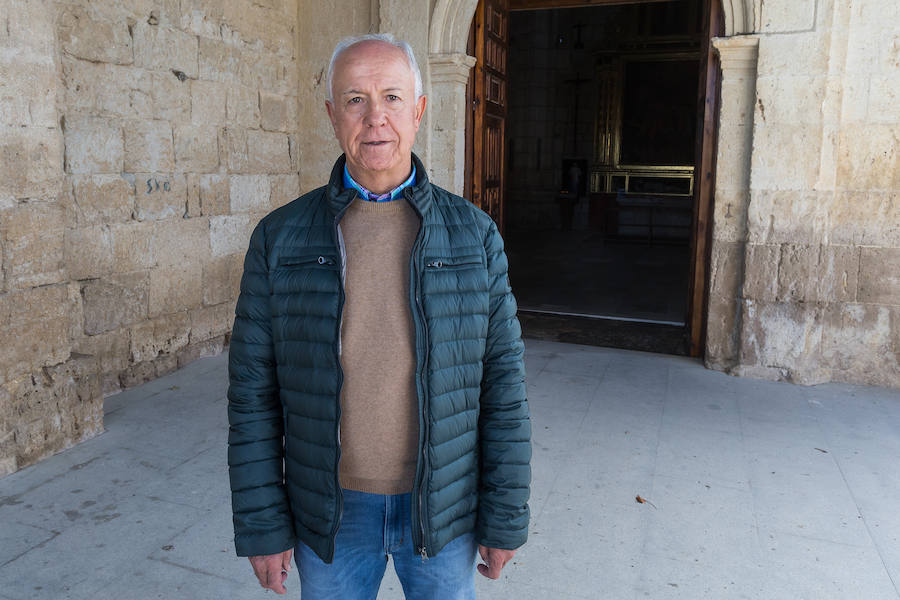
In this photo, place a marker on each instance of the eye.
(355, 100)
(393, 98)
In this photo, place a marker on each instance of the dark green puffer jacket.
(473, 470)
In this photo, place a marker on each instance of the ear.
(420, 109)
(329, 108)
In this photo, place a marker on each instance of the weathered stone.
(34, 304)
(208, 103)
(196, 148)
(277, 113)
(785, 16)
(285, 188)
(34, 241)
(219, 62)
(97, 41)
(242, 106)
(269, 152)
(94, 146)
(149, 147)
(209, 193)
(783, 217)
(111, 349)
(208, 322)
(133, 246)
(249, 193)
(796, 53)
(837, 274)
(233, 143)
(804, 91)
(115, 301)
(796, 272)
(868, 157)
(158, 336)
(33, 345)
(879, 275)
(761, 272)
(102, 199)
(222, 279)
(791, 157)
(230, 234)
(175, 288)
(181, 241)
(161, 48)
(204, 349)
(159, 196)
(31, 162)
(258, 28)
(89, 252)
(860, 343)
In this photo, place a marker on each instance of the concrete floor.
(759, 490)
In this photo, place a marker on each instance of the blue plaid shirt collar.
(365, 194)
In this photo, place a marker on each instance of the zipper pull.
(436, 264)
(424, 553)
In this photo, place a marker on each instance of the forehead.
(373, 62)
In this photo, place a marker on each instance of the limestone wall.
(141, 141)
(811, 243)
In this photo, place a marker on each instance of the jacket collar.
(418, 194)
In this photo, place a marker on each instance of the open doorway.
(604, 128)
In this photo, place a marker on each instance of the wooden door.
(491, 37)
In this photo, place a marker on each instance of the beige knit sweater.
(379, 409)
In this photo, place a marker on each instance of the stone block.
(796, 273)
(786, 216)
(209, 193)
(94, 40)
(115, 301)
(761, 272)
(785, 336)
(31, 162)
(211, 347)
(162, 335)
(259, 27)
(277, 113)
(799, 53)
(175, 288)
(169, 96)
(133, 246)
(783, 16)
(837, 274)
(159, 196)
(269, 152)
(285, 188)
(180, 241)
(219, 62)
(868, 157)
(884, 99)
(208, 103)
(209, 322)
(202, 17)
(249, 193)
(149, 147)
(242, 106)
(865, 218)
(196, 148)
(233, 143)
(860, 343)
(102, 199)
(89, 252)
(33, 304)
(161, 48)
(790, 98)
(230, 234)
(30, 346)
(879, 275)
(103, 89)
(34, 242)
(111, 348)
(94, 146)
(222, 279)
(785, 156)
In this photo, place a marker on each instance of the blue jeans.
(374, 526)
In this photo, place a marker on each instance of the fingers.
(494, 561)
(275, 576)
(271, 571)
(286, 560)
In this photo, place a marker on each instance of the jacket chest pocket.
(453, 263)
(314, 272)
(455, 285)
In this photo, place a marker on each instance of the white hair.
(347, 42)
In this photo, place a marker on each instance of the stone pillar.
(449, 74)
(738, 57)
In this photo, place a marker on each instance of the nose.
(375, 115)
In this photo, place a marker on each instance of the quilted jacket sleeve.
(504, 424)
(262, 518)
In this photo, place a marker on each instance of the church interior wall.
(141, 141)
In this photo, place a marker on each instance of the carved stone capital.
(737, 53)
(450, 68)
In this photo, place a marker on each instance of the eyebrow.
(390, 89)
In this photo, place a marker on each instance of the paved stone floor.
(759, 490)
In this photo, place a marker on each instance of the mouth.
(376, 143)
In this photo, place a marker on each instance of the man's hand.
(494, 560)
(272, 570)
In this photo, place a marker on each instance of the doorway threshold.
(645, 335)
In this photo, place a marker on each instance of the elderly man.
(377, 395)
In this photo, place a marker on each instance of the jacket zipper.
(338, 242)
(419, 491)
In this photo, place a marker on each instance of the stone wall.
(141, 141)
(810, 244)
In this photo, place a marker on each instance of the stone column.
(738, 58)
(447, 144)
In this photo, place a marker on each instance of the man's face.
(375, 113)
